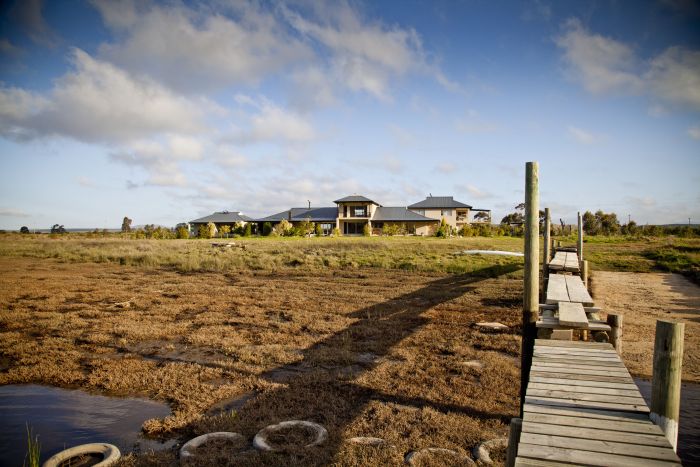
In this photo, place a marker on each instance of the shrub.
(58, 229)
(390, 229)
(336, 232)
(182, 233)
(126, 225)
(239, 228)
(225, 230)
(24, 229)
(284, 228)
(443, 230)
(366, 231)
(248, 230)
(318, 231)
(267, 229)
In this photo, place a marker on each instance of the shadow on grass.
(331, 397)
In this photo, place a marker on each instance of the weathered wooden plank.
(578, 376)
(571, 263)
(583, 389)
(577, 291)
(574, 344)
(583, 383)
(587, 412)
(572, 314)
(600, 447)
(644, 439)
(525, 462)
(560, 368)
(564, 402)
(575, 456)
(579, 361)
(553, 323)
(556, 289)
(588, 397)
(598, 353)
(614, 425)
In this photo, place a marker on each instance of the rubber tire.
(110, 453)
(194, 443)
(260, 440)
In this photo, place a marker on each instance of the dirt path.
(643, 299)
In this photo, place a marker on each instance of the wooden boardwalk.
(561, 288)
(583, 408)
(564, 261)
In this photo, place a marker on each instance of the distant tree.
(267, 229)
(284, 228)
(590, 223)
(513, 218)
(482, 216)
(443, 229)
(211, 227)
(520, 207)
(24, 229)
(609, 225)
(318, 231)
(366, 230)
(225, 230)
(336, 232)
(58, 229)
(182, 232)
(126, 225)
(390, 229)
(248, 230)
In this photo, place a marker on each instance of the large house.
(352, 214)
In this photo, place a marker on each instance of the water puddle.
(64, 418)
(689, 423)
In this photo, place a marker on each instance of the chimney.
(309, 203)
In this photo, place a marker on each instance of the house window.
(359, 211)
(352, 228)
(446, 212)
(326, 228)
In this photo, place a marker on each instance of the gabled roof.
(223, 217)
(399, 213)
(274, 217)
(355, 199)
(437, 202)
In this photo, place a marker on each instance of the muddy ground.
(644, 298)
(376, 353)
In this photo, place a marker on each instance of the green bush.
(390, 229)
(318, 231)
(336, 232)
(366, 231)
(248, 230)
(267, 229)
(283, 229)
(182, 233)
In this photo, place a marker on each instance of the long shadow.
(330, 397)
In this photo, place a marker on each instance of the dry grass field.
(369, 337)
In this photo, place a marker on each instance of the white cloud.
(674, 76)
(694, 132)
(600, 64)
(445, 167)
(98, 102)
(271, 123)
(603, 65)
(583, 136)
(474, 192)
(194, 49)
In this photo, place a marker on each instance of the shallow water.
(689, 422)
(64, 418)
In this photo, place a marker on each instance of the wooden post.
(666, 379)
(584, 273)
(516, 426)
(579, 245)
(547, 241)
(532, 274)
(615, 322)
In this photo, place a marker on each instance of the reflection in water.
(64, 418)
(689, 423)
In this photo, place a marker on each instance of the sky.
(168, 111)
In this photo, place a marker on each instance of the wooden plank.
(574, 344)
(571, 263)
(575, 456)
(583, 389)
(553, 323)
(559, 368)
(577, 352)
(587, 412)
(577, 291)
(614, 425)
(572, 314)
(525, 462)
(591, 361)
(556, 289)
(583, 383)
(578, 376)
(564, 402)
(600, 447)
(588, 397)
(644, 439)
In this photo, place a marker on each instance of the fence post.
(532, 274)
(666, 380)
(579, 245)
(615, 322)
(584, 273)
(516, 426)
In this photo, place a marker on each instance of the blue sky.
(166, 111)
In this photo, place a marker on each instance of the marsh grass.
(31, 459)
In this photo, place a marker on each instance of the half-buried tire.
(187, 449)
(109, 454)
(263, 443)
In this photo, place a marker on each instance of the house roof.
(438, 202)
(355, 199)
(223, 217)
(400, 214)
(301, 214)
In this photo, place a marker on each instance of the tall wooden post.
(516, 428)
(579, 245)
(666, 379)
(584, 273)
(547, 241)
(532, 274)
(615, 322)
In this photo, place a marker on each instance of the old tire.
(109, 452)
(415, 456)
(186, 451)
(261, 439)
